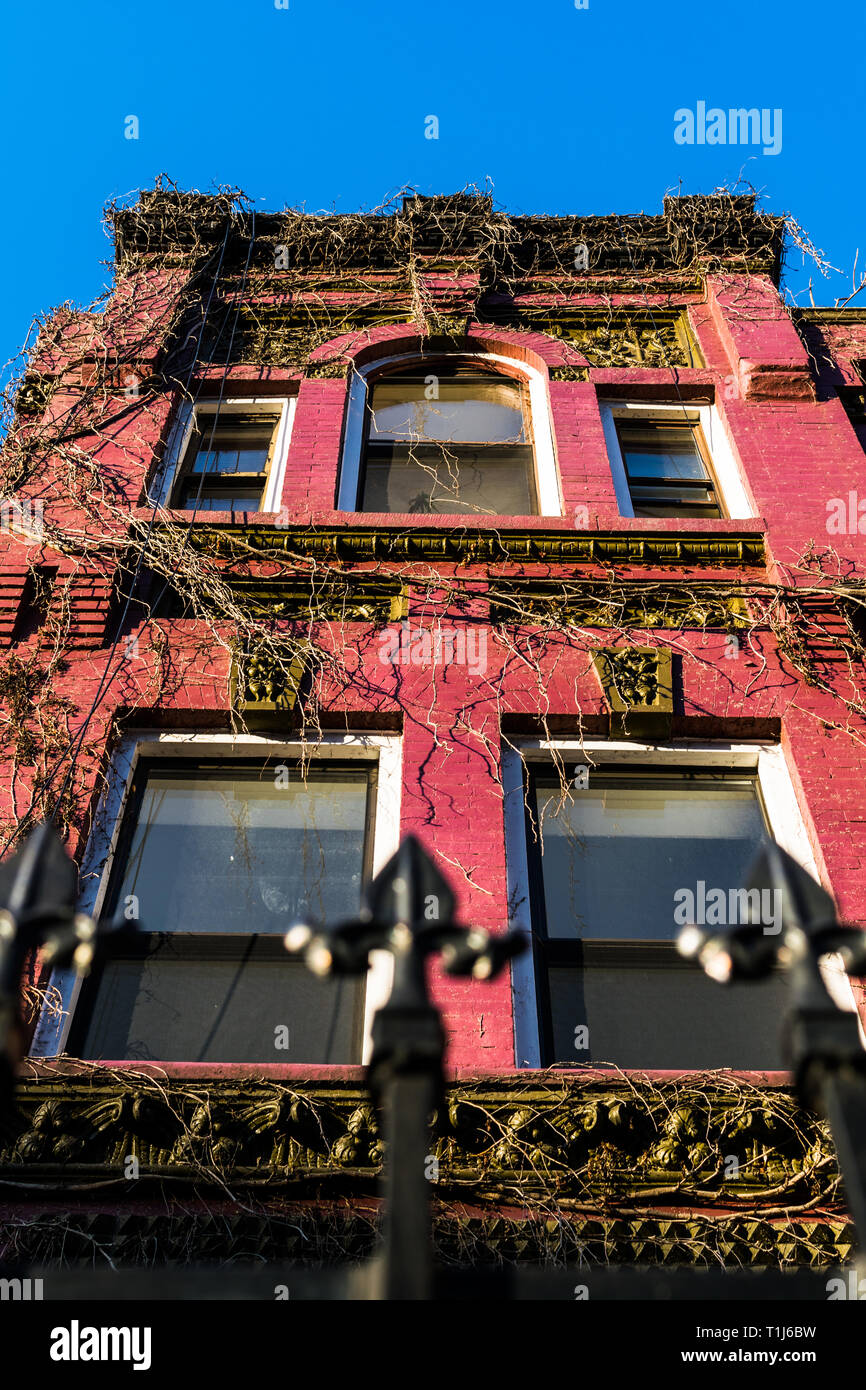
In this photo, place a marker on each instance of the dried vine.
(198, 290)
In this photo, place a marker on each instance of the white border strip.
(524, 987)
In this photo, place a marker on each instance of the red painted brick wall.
(795, 445)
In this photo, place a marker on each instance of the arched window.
(448, 436)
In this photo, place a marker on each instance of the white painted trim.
(163, 481)
(683, 753)
(725, 466)
(386, 841)
(386, 750)
(735, 503)
(783, 812)
(789, 832)
(161, 484)
(780, 802)
(277, 475)
(353, 444)
(546, 470)
(616, 461)
(524, 987)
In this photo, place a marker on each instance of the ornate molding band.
(699, 1143)
(359, 598)
(271, 335)
(611, 339)
(355, 543)
(295, 1232)
(555, 603)
(690, 233)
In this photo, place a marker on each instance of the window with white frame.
(227, 456)
(458, 435)
(672, 460)
(608, 863)
(216, 857)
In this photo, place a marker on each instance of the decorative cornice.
(703, 1143)
(360, 598)
(580, 603)
(625, 1170)
(471, 546)
(569, 373)
(632, 338)
(853, 314)
(35, 392)
(271, 334)
(334, 1233)
(691, 232)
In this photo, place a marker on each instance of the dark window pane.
(215, 461)
(665, 1014)
(462, 480)
(670, 509)
(626, 863)
(218, 1009)
(666, 472)
(230, 460)
(235, 853)
(223, 448)
(685, 493)
(221, 500)
(617, 852)
(685, 500)
(34, 607)
(252, 460)
(472, 411)
(659, 452)
(221, 861)
(231, 450)
(664, 466)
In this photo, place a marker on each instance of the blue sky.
(323, 105)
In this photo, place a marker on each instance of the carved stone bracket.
(638, 686)
(261, 685)
(444, 324)
(34, 394)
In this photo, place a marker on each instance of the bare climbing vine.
(200, 289)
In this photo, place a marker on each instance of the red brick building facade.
(540, 538)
